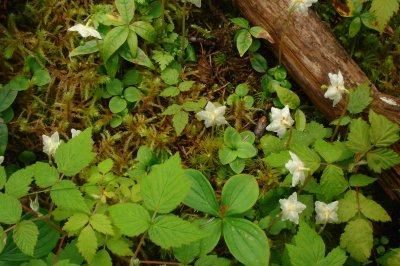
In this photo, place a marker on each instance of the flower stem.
(290, 138)
(322, 228)
(335, 132)
(274, 221)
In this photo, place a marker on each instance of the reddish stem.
(59, 249)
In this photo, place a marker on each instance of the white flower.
(326, 213)
(297, 169)
(85, 31)
(34, 204)
(336, 89)
(291, 208)
(212, 115)
(281, 121)
(50, 144)
(302, 5)
(1, 159)
(75, 132)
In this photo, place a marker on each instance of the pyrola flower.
(74, 132)
(50, 144)
(297, 169)
(85, 31)
(336, 89)
(212, 115)
(281, 121)
(302, 5)
(326, 213)
(291, 208)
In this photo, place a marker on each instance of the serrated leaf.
(166, 186)
(277, 159)
(179, 121)
(119, 246)
(372, 210)
(131, 219)
(243, 41)
(359, 99)
(25, 236)
(172, 109)
(170, 92)
(162, 58)
(89, 47)
(287, 97)
(126, 8)
(246, 241)
(45, 175)
(383, 132)
(391, 258)
(383, 11)
(332, 183)
(18, 184)
(382, 159)
(308, 156)
(171, 231)
(329, 151)
(141, 57)
(239, 194)
(359, 137)
(337, 257)
(87, 243)
(360, 180)
(101, 258)
(170, 76)
(10, 209)
(76, 222)
(114, 40)
(101, 223)
(76, 154)
(66, 195)
(357, 239)
(201, 195)
(271, 144)
(186, 85)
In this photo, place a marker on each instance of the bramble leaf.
(10, 209)
(383, 132)
(382, 159)
(87, 243)
(101, 223)
(357, 239)
(131, 219)
(25, 236)
(359, 99)
(66, 195)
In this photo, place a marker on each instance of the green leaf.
(105, 166)
(212, 260)
(391, 258)
(7, 97)
(245, 150)
(243, 41)
(19, 83)
(373, 211)
(171, 231)
(246, 241)
(331, 152)
(260, 33)
(241, 22)
(140, 59)
(18, 184)
(383, 132)
(382, 159)
(271, 144)
(41, 77)
(10, 209)
(3, 135)
(112, 65)
(76, 222)
(131, 219)
(132, 77)
(359, 99)
(3, 177)
(126, 8)
(101, 258)
(337, 257)
(132, 94)
(75, 155)
(383, 11)
(360, 180)
(89, 47)
(239, 194)
(162, 58)
(237, 165)
(114, 40)
(201, 195)
(179, 121)
(119, 246)
(231, 137)
(359, 137)
(170, 91)
(166, 186)
(354, 27)
(259, 63)
(308, 156)
(3, 239)
(357, 239)
(117, 104)
(347, 206)
(101, 223)
(287, 97)
(114, 87)
(186, 85)
(66, 195)
(145, 30)
(45, 175)
(277, 159)
(87, 243)
(226, 155)
(170, 76)
(300, 119)
(25, 236)
(172, 109)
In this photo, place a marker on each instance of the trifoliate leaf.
(25, 236)
(10, 209)
(383, 132)
(18, 184)
(101, 223)
(277, 159)
(359, 99)
(308, 156)
(76, 222)
(383, 11)
(66, 195)
(119, 246)
(359, 137)
(382, 159)
(131, 219)
(87, 243)
(357, 239)
(332, 183)
(330, 152)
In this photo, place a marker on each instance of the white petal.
(210, 107)
(1, 159)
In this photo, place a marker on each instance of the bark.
(309, 52)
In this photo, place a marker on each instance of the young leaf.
(170, 91)
(171, 231)
(231, 137)
(383, 11)
(45, 175)
(114, 40)
(186, 85)
(117, 104)
(131, 219)
(144, 30)
(89, 47)
(201, 195)
(119, 246)
(76, 222)
(359, 137)
(101, 223)
(76, 154)
(10, 209)
(382, 159)
(383, 132)
(25, 236)
(179, 121)
(132, 94)
(18, 183)
(239, 194)
(166, 186)
(357, 239)
(360, 180)
(359, 99)
(172, 109)
(354, 27)
(87, 243)
(246, 241)
(66, 195)
(162, 58)
(126, 8)
(243, 41)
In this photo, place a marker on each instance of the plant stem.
(290, 138)
(335, 132)
(274, 221)
(59, 249)
(322, 228)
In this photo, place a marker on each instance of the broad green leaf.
(226, 155)
(241, 22)
(101, 258)
(166, 186)
(245, 150)
(332, 183)
(337, 257)
(119, 246)
(201, 195)
(101, 223)
(391, 258)
(41, 77)
(170, 76)
(372, 210)
(132, 77)
(231, 137)
(383, 11)
(382, 159)
(239, 194)
(212, 260)
(330, 152)
(360, 180)
(117, 104)
(76, 222)
(170, 91)
(3, 239)
(132, 94)
(25, 236)
(261, 33)
(383, 132)
(347, 206)
(89, 47)
(10, 209)
(359, 99)
(246, 241)
(140, 59)
(87, 243)
(114, 40)
(179, 121)
(145, 30)
(114, 87)
(354, 27)
(238, 165)
(112, 65)
(67, 196)
(172, 109)
(131, 219)
(287, 97)
(300, 119)
(186, 85)
(357, 239)
(76, 154)
(359, 137)
(45, 175)
(171, 231)
(243, 41)
(7, 97)
(105, 166)
(259, 63)
(277, 159)
(271, 144)
(126, 8)
(18, 184)
(19, 83)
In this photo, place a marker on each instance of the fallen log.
(309, 52)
